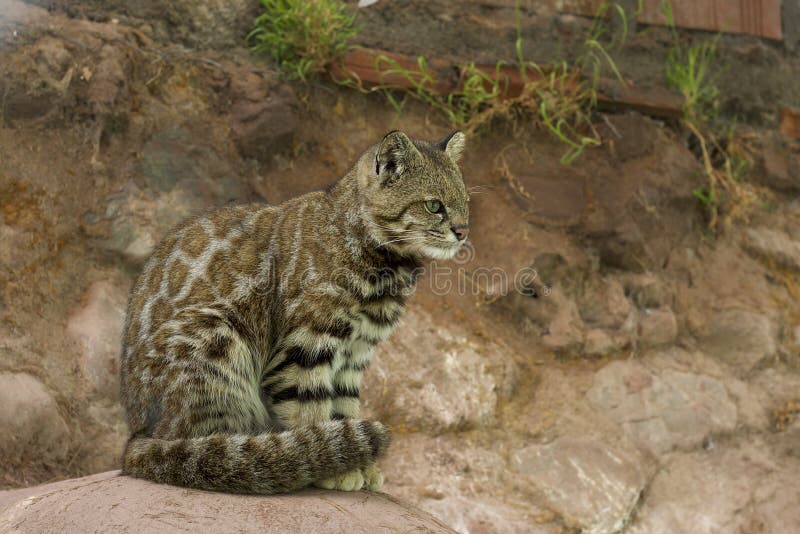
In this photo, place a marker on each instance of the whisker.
(409, 238)
(399, 232)
(395, 230)
(479, 189)
(405, 238)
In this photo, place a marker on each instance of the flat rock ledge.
(110, 502)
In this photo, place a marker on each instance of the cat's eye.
(434, 206)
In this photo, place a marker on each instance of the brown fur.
(248, 329)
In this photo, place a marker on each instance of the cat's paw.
(350, 481)
(373, 478)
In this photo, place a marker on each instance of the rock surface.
(97, 326)
(662, 410)
(609, 480)
(450, 386)
(29, 418)
(741, 338)
(725, 489)
(657, 327)
(775, 246)
(480, 515)
(263, 116)
(111, 502)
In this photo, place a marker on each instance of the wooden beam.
(374, 67)
(755, 17)
(380, 68)
(790, 122)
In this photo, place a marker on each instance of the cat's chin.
(439, 253)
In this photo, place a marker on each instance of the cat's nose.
(461, 231)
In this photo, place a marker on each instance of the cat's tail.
(264, 463)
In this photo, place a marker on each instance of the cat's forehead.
(442, 175)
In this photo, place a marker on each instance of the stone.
(662, 410)
(263, 116)
(30, 419)
(107, 448)
(741, 338)
(217, 24)
(165, 160)
(15, 247)
(52, 58)
(713, 491)
(423, 466)
(550, 268)
(646, 291)
(111, 502)
(181, 157)
(482, 515)
(774, 246)
(608, 478)
(16, 16)
(639, 138)
(778, 385)
(108, 85)
(130, 239)
(779, 168)
(599, 342)
(657, 327)
(109, 435)
(776, 499)
(97, 326)
(565, 331)
(750, 408)
(605, 305)
(430, 378)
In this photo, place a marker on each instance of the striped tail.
(264, 463)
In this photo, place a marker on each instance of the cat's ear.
(453, 145)
(394, 155)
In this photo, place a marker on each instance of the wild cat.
(248, 330)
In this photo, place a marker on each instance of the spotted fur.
(249, 329)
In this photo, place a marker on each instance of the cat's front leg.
(347, 404)
(299, 381)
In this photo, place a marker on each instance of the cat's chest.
(370, 326)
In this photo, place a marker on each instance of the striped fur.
(265, 463)
(249, 329)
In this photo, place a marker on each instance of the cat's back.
(186, 267)
(216, 258)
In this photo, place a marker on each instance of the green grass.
(595, 55)
(476, 90)
(556, 97)
(563, 102)
(303, 36)
(727, 197)
(691, 71)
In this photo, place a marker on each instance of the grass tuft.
(560, 98)
(690, 71)
(302, 36)
(726, 157)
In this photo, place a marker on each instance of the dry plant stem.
(711, 173)
(513, 181)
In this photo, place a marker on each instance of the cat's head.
(415, 199)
